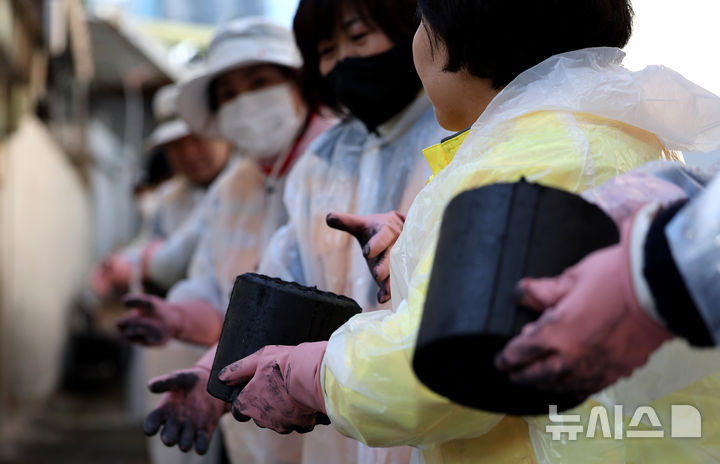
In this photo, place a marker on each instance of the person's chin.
(200, 179)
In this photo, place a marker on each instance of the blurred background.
(76, 85)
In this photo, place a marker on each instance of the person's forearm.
(373, 395)
(168, 263)
(197, 322)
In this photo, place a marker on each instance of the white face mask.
(264, 122)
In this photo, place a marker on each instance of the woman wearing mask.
(250, 94)
(359, 61)
(544, 107)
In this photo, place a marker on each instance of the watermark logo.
(685, 422)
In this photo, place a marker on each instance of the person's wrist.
(171, 316)
(203, 368)
(641, 308)
(307, 388)
(638, 227)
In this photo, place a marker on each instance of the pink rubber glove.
(153, 321)
(113, 273)
(186, 410)
(377, 234)
(283, 391)
(593, 330)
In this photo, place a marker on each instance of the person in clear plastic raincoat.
(358, 57)
(249, 93)
(198, 163)
(545, 107)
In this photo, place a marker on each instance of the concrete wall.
(45, 246)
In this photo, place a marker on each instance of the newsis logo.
(685, 422)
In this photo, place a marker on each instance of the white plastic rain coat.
(167, 209)
(228, 243)
(170, 261)
(239, 217)
(571, 122)
(349, 170)
(346, 170)
(694, 238)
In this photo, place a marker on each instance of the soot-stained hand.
(281, 388)
(148, 322)
(376, 233)
(592, 331)
(186, 412)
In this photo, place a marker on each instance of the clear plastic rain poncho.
(694, 237)
(240, 218)
(166, 210)
(572, 122)
(169, 263)
(352, 171)
(347, 170)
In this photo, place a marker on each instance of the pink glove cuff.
(195, 322)
(656, 332)
(305, 387)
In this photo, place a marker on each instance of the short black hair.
(316, 20)
(499, 39)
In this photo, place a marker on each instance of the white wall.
(45, 245)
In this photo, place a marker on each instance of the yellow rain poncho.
(572, 122)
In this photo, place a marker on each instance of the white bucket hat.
(171, 127)
(239, 43)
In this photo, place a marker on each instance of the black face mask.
(376, 88)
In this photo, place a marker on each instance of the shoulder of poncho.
(324, 145)
(243, 176)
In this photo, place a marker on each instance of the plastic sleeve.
(169, 263)
(674, 303)
(201, 283)
(371, 392)
(281, 258)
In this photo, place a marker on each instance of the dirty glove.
(186, 410)
(113, 273)
(377, 234)
(593, 330)
(283, 391)
(153, 321)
